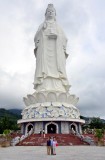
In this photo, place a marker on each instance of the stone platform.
(63, 153)
(62, 139)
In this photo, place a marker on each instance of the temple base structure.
(55, 112)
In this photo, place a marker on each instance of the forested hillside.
(8, 119)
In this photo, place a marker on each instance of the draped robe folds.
(50, 52)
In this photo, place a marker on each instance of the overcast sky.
(83, 21)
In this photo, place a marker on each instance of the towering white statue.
(50, 52)
(51, 102)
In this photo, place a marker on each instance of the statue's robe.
(50, 52)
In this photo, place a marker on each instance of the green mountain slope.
(8, 119)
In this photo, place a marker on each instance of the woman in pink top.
(54, 146)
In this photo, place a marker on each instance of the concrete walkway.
(63, 153)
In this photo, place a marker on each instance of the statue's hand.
(35, 52)
(52, 36)
(37, 43)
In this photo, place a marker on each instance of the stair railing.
(18, 139)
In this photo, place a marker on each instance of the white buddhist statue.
(51, 105)
(50, 52)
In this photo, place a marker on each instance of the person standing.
(54, 146)
(43, 133)
(51, 140)
(48, 146)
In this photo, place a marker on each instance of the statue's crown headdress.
(50, 6)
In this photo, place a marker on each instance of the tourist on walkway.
(51, 140)
(54, 146)
(48, 146)
(43, 133)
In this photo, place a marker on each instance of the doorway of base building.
(30, 127)
(51, 128)
(73, 128)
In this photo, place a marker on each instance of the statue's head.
(50, 12)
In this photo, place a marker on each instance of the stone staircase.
(62, 139)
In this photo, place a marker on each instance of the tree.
(7, 134)
(7, 123)
(97, 123)
(99, 133)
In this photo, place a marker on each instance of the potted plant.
(99, 134)
(7, 138)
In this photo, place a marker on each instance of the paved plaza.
(63, 153)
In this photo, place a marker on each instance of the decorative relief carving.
(52, 97)
(31, 99)
(62, 97)
(41, 97)
(51, 111)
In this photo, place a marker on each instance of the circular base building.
(55, 112)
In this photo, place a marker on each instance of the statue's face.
(50, 13)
